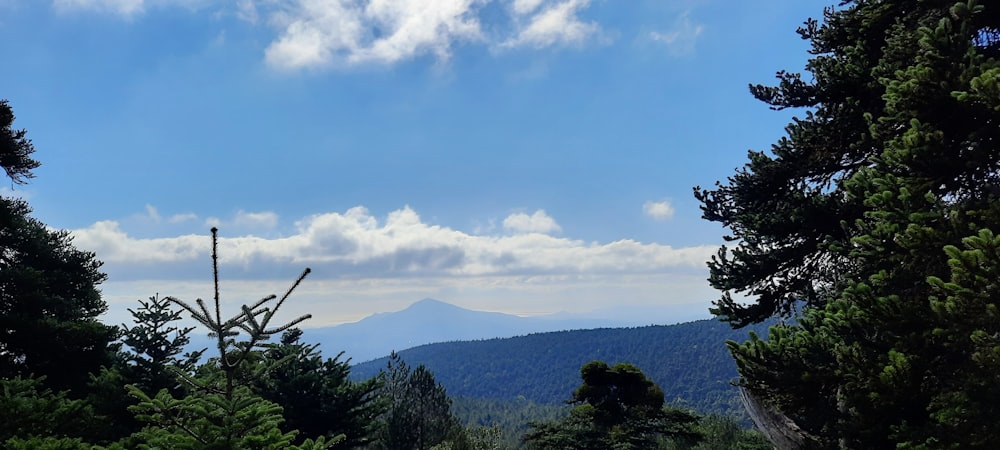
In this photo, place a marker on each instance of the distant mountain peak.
(431, 320)
(431, 304)
(430, 301)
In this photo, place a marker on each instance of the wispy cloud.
(246, 10)
(680, 39)
(182, 218)
(661, 210)
(319, 33)
(556, 23)
(128, 8)
(125, 8)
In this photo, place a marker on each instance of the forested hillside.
(689, 361)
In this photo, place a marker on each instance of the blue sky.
(525, 156)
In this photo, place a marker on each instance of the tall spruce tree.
(49, 300)
(896, 159)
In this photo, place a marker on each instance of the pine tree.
(896, 160)
(221, 412)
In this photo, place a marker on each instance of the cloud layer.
(363, 264)
(355, 244)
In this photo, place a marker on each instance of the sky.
(521, 156)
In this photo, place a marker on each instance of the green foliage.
(722, 433)
(223, 420)
(46, 443)
(317, 396)
(486, 438)
(896, 160)
(28, 410)
(968, 301)
(616, 407)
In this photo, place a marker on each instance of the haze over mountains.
(429, 321)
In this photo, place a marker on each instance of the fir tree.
(222, 412)
(896, 160)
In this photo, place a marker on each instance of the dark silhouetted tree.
(896, 159)
(49, 302)
(616, 407)
(15, 148)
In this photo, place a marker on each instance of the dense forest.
(870, 226)
(688, 361)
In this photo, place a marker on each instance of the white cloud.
(539, 222)
(556, 25)
(112, 244)
(661, 210)
(681, 38)
(319, 33)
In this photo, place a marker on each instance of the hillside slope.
(689, 361)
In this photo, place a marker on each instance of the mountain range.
(431, 321)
